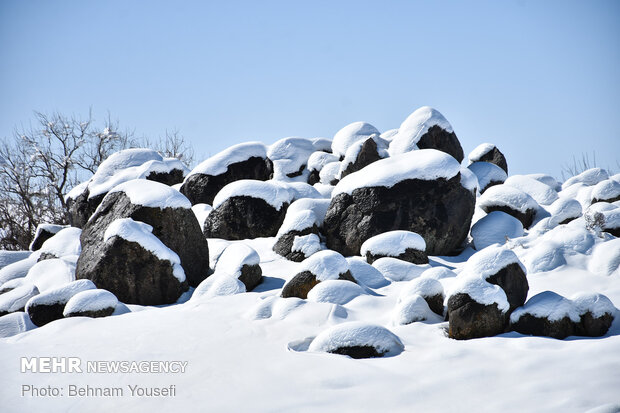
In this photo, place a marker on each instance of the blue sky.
(540, 79)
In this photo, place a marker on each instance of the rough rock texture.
(591, 326)
(470, 319)
(440, 139)
(314, 177)
(284, 244)
(358, 352)
(251, 276)
(368, 154)
(44, 314)
(439, 210)
(496, 157)
(177, 228)
(541, 326)
(526, 218)
(410, 255)
(513, 281)
(93, 314)
(132, 273)
(435, 303)
(201, 188)
(301, 284)
(244, 217)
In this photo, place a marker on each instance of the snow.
(414, 127)
(491, 260)
(14, 264)
(605, 258)
(301, 190)
(201, 211)
(17, 298)
(612, 219)
(495, 228)
(479, 290)
(141, 233)
(487, 172)
(597, 304)
(307, 244)
(152, 194)
(50, 228)
(438, 273)
(329, 172)
(606, 190)
(393, 243)
(335, 292)
(358, 334)
(589, 177)
(570, 239)
(479, 151)
(542, 193)
(289, 155)
(218, 164)
(14, 324)
(61, 294)
(350, 134)
(366, 274)
(388, 135)
(469, 180)
(546, 179)
(14, 283)
(354, 149)
(318, 160)
(549, 305)
(272, 192)
(76, 190)
(547, 256)
(324, 189)
(411, 309)
(234, 257)
(65, 242)
(563, 209)
(399, 270)
(423, 286)
(217, 285)
(90, 300)
(508, 196)
(321, 144)
(51, 273)
(325, 265)
(303, 214)
(424, 164)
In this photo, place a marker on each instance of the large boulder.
(426, 128)
(243, 161)
(166, 210)
(248, 209)
(49, 306)
(510, 200)
(487, 152)
(418, 191)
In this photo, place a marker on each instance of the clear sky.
(540, 79)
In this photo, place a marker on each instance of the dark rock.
(541, 326)
(93, 314)
(82, 207)
(201, 188)
(44, 314)
(301, 284)
(470, 319)
(410, 255)
(43, 233)
(49, 306)
(591, 326)
(513, 281)
(251, 276)
(358, 352)
(314, 177)
(438, 138)
(439, 210)
(173, 177)
(367, 155)
(435, 303)
(526, 218)
(244, 217)
(299, 172)
(284, 244)
(494, 156)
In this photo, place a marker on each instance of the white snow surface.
(64, 242)
(274, 193)
(479, 151)
(399, 270)
(152, 194)
(61, 294)
(51, 273)
(218, 163)
(393, 243)
(234, 257)
(546, 179)
(366, 274)
(597, 304)
(606, 190)
(438, 273)
(289, 155)
(389, 134)
(413, 308)
(422, 286)
(201, 211)
(589, 177)
(491, 260)
(424, 164)
(329, 172)
(51, 228)
(469, 180)
(605, 259)
(304, 213)
(11, 257)
(141, 233)
(325, 265)
(350, 134)
(302, 190)
(414, 127)
(18, 269)
(319, 159)
(549, 305)
(217, 285)
(335, 292)
(479, 290)
(542, 193)
(90, 300)
(563, 209)
(505, 195)
(494, 228)
(307, 244)
(358, 334)
(17, 298)
(547, 256)
(15, 323)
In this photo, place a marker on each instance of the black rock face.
(284, 244)
(173, 177)
(540, 326)
(591, 326)
(367, 155)
(201, 188)
(251, 276)
(104, 312)
(526, 218)
(358, 352)
(301, 284)
(469, 319)
(438, 138)
(439, 210)
(177, 228)
(410, 255)
(494, 156)
(43, 314)
(513, 281)
(314, 177)
(244, 217)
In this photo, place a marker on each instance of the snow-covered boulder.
(217, 285)
(335, 292)
(399, 270)
(542, 193)
(322, 266)
(290, 158)
(316, 162)
(329, 173)
(606, 191)
(418, 191)
(510, 200)
(11, 257)
(17, 269)
(243, 161)
(91, 303)
(43, 233)
(564, 210)
(49, 305)
(597, 312)
(15, 323)
(429, 289)
(589, 177)
(546, 256)
(165, 210)
(52, 273)
(248, 209)
(366, 274)
(411, 309)
(16, 299)
(123, 166)
(438, 273)
(242, 262)
(349, 135)
(362, 153)
(546, 314)
(488, 174)
(358, 340)
(299, 235)
(426, 128)
(64, 243)
(495, 228)
(404, 245)
(487, 152)
(605, 259)
(135, 265)
(547, 180)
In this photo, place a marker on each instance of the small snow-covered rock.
(570, 239)
(366, 274)
(16, 299)
(511, 200)
(358, 340)
(495, 228)
(241, 261)
(316, 162)
(404, 245)
(18, 269)
(349, 135)
(411, 309)
(487, 152)
(488, 174)
(547, 256)
(362, 153)
(91, 303)
(589, 177)
(43, 233)
(542, 193)
(547, 180)
(219, 284)
(290, 158)
(335, 292)
(429, 289)
(399, 270)
(597, 312)
(564, 210)
(329, 173)
(49, 305)
(14, 324)
(64, 243)
(605, 259)
(606, 191)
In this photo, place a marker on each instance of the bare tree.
(173, 145)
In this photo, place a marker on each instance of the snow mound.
(52, 273)
(605, 259)
(411, 309)
(388, 135)
(353, 151)
(218, 163)
(469, 181)
(366, 274)
(152, 194)
(490, 261)
(547, 180)
(549, 305)
(335, 292)
(606, 190)
(65, 242)
(49, 228)
(202, 211)
(329, 173)
(495, 228)
(290, 156)
(303, 214)
(424, 164)
(590, 177)
(16, 299)
(571, 239)
(393, 243)
(357, 334)
(542, 193)
(141, 233)
(547, 256)
(90, 300)
(564, 209)
(325, 265)
(597, 304)
(218, 284)
(479, 290)
(14, 324)
(307, 244)
(272, 192)
(399, 270)
(61, 294)
(479, 151)
(234, 257)
(350, 134)
(414, 127)
(17, 269)
(318, 160)
(487, 172)
(321, 144)
(301, 190)
(11, 257)
(438, 273)
(507, 196)
(423, 286)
